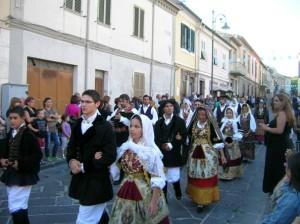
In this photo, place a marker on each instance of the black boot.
(104, 218)
(165, 190)
(20, 217)
(177, 189)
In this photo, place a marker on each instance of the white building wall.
(4, 55)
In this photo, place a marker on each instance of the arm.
(155, 116)
(28, 119)
(109, 152)
(31, 160)
(280, 120)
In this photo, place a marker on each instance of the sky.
(271, 27)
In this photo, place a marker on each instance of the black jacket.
(172, 158)
(93, 186)
(30, 156)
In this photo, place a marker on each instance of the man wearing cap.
(170, 134)
(219, 111)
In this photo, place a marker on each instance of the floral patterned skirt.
(132, 203)
(202, 175)
(233, 168)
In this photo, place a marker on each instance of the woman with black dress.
(30, 111)
(277, 141)
(20, 159)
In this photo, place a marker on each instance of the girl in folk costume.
(20, 158)
(140, 198)
(262, 117)
(248, 126)
(203, 159)
(233, 167)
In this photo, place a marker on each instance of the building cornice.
(44, 31)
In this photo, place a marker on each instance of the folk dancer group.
(138, 149)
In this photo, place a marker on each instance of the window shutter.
(77, 6)
(182, 36)
(107, 12)
(192, 41)
(101, 11)
(136, 22)
(142, 13)
(69, 4)
(188, 38)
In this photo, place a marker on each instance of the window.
(203, 52)
(187, 38)
(215, 61)
(224, 61)
(249, 64)
(104, 11)
(74, 5)
(138, 84)
(138, 26)
(244, 57)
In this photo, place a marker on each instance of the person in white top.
(148, 110)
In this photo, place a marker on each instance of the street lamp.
(222, 18)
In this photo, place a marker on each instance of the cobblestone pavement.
(242, 200)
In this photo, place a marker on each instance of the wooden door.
(45, 82)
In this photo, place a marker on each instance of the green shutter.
(136, 22)
(101, 11)
(182, 36)
(192, 41)
(142, 13)
(107, 12)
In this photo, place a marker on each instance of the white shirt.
(87, 123)
(167, 120)
(201, 125)
(15, 131)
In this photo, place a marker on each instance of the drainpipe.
(152, 47)
(86, 53)
(173, 87)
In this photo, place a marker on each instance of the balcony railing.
(237, 69)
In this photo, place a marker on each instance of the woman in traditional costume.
(261, 116)
(140, 198)
(248, 126)
(229, 129)
(206, 139)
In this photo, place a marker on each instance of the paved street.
(242, 200)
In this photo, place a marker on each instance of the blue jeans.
(52, 136)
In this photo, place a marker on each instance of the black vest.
(147, 112)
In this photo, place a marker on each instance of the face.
(229, 114)
(146, 100)
(277, 104)
(169, 109)
(15, 120)
(31, 103)
(222, 101)
(244, 109)
(88, 106)
(135, 129)
(123, 103)
(49, 103)
(197, 104)
(41, 114)
(202, 117)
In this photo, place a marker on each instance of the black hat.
(223, 96)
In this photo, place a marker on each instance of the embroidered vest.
(147, 112)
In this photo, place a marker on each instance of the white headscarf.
(225, 120)
(149, 154)
(252, 120)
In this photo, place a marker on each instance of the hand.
(98, 155)
(4, 162)
(75, 166)
(263, 126)
(15, 164)
(178, 136)
(223, 160)
(118, 116)
(246, 134)
(165, 147)
(153, 207)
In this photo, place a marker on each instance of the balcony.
(237, 69)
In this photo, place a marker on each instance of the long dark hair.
(293, 165)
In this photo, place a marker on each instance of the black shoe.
(200, 208)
